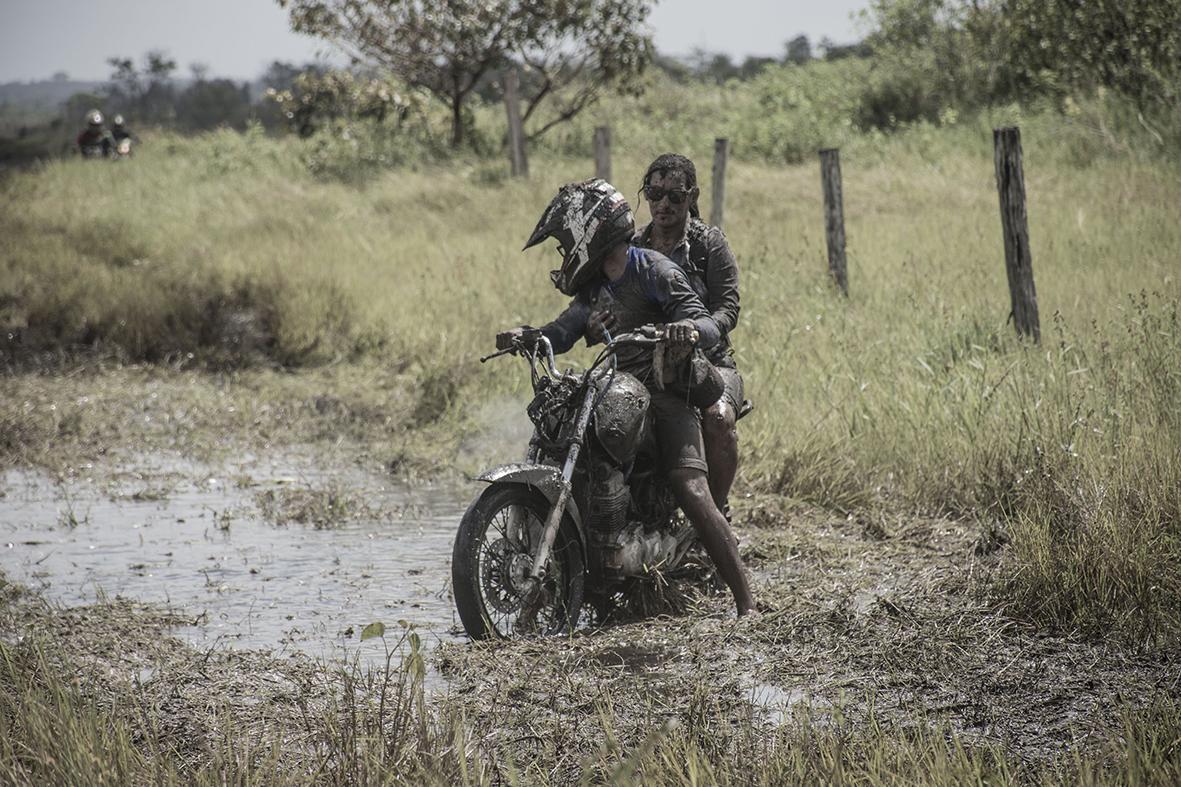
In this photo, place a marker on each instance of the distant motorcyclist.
(95, 141)
(123, 136)
(593, 225)
(120, 131)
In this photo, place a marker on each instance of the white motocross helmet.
(588, 219)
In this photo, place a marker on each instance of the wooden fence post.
(603, 153)
(717, 204)
(516, 131)
(834, 216)
(1010, 185)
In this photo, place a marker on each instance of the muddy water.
(196, 539)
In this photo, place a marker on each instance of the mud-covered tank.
(619, 417)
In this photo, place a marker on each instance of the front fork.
(531, 595)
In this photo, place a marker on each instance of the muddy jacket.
(706, 258)
(652, 289)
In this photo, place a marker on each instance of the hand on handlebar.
(522, 337)
(600, 323)
(681, 332)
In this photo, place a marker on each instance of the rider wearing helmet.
(593, 226)
(95, 141)
(119, 130)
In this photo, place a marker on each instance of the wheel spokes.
(503, 564)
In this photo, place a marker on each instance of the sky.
(238, 38)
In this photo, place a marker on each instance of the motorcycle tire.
(491, 558)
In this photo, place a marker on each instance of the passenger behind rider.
(701, 251)
(95, 141)
(593, 226)
(120, 131)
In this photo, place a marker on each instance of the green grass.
(913, 393)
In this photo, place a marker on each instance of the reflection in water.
(202, 548)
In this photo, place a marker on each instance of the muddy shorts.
(678, 432)
(734, 391)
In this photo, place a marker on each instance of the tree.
(985, 51)
(1130, 46)
(572, 49)
(209, 103)
(148, 90)
(798, 50)
(753, 65)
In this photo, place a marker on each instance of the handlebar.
(534, 344)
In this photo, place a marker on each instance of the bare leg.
(719, 428)
(692, 491)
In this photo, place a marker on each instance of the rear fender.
(546, 479)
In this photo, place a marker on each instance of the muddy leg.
(693, 495)
(719, 428)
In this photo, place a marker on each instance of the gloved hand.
(522, 335)
(681, 332)
(598, 324)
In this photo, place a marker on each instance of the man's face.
(668, 187)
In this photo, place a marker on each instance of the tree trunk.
(456, 121)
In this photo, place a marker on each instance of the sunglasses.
(675, 196)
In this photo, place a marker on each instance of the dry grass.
(912, 395)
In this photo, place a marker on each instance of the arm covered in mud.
(668, 285)
(569, 326)
(721, 281)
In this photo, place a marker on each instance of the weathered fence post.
(834, 216)
(1010, 184)
(603, 153)
(516, 131)
(718, 204)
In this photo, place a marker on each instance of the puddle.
(776, 704)
(195, 539)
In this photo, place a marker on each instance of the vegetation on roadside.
(99, 712)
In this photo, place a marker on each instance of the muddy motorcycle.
(584, 514)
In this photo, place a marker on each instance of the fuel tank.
(621, 415)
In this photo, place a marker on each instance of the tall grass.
(914, 392)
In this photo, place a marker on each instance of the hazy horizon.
(239, 38)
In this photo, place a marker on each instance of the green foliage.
(969, 54)
(797, 111)
(315, 99)
(1130, 46)
(587, 46)
(207, 104)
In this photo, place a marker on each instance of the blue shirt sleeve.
(569, 326)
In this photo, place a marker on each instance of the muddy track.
(882, 621)
(875, 618)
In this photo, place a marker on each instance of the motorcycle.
(587, 512)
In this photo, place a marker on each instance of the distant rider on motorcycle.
(593, 225)
(95, 141)
(120, 131)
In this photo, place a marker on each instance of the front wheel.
(493, 556)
